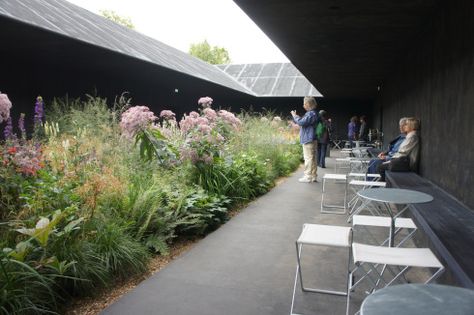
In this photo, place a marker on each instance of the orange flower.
(12, 150)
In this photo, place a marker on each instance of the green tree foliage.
(122, 20)
(213, 55)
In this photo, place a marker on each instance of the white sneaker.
(304, 180)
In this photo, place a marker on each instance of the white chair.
(377, 221)
(321, 235)
(325, 207)
(369, 255)
(355, 186)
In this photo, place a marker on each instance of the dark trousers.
(322, 149)
(381, 168)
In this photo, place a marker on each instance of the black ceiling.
(346, 48)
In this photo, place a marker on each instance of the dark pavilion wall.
(38, 62)
(435, 83)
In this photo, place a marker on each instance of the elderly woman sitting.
(407, 157)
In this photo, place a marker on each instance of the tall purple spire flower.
(39, 112)
(5, 106)
(21, 126)
(8, 131)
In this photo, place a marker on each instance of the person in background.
(393, 147)
(352, 130)
(363, 130)
(308, 140)
(408, 155)
(323, 138)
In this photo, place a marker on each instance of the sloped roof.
(67, 19)
(271, 79)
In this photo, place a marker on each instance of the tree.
(113, 16)
(213, 55)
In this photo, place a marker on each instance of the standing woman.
(307, 125)
(352, 130)
(323, 138)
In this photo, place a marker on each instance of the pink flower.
(167, 115)
(5, 106)
(205, 129)
(210, 114)
(135, 119)
(187, 123)
(194, 114)
(229, 118)
(205, 102)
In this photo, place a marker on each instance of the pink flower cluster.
(5, 106)
(210, 114)
(135, 119)
(205, 101)
(167, 115)
(193, 121)
(229, 118)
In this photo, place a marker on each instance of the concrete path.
(248, 265)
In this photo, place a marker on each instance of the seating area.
(448, 226)
(377, 262)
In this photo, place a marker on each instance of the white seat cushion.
(335, 176)
(370, 220)
(367, 183)
(328, 235)
(414, 257)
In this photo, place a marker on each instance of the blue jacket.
(307, 124)
(395, 145)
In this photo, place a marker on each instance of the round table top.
(419, 299)
(395, 195)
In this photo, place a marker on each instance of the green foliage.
(214, 55)
(100, 204)
(23, 289)
(121, 254)
(154, 145)
(196, 212)
(115, 17)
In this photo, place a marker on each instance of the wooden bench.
(446, 222)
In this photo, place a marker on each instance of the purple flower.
(21, 125)
(8, 131)
(5, 106)
(205, 102)
(39, 112)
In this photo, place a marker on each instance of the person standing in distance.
(307, 125)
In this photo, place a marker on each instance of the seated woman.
(407, 157)
(384, 156)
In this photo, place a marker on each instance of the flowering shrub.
(136, 119)
(25, 158)
(5, 106)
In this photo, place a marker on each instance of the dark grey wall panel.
(436, 84)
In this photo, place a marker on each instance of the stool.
(393, 256)
(362, 184)
(324, 206)
(343, 163)
(321, 235)
(365, 176)
(376, 221)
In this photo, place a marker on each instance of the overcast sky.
(179, 23)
